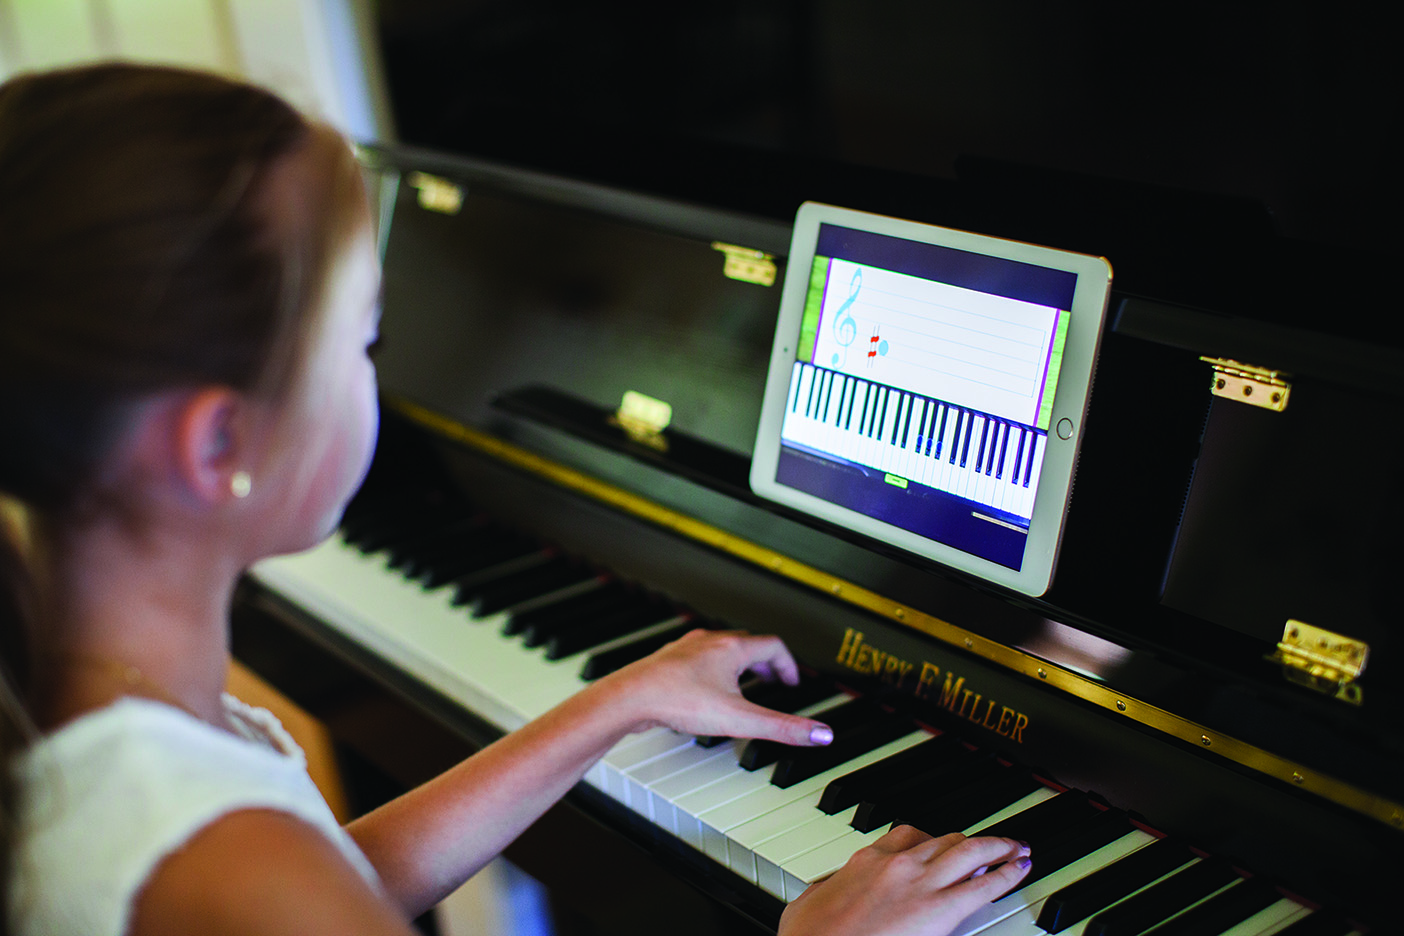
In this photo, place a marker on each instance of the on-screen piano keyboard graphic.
(508, 629)
(991, 461)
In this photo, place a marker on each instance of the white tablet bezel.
(1070, 397)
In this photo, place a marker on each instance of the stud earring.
(240, 484)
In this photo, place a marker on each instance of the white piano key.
(1011, 913)
(662, 793)
(639, 778)
(758, 815)
(803, 808)
(824, 860)
(635, 750)
(1271, 919)
(418, 631)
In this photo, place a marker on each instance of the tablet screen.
(919, 374)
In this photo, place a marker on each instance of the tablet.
(927, 388)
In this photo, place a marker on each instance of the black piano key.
(965, 443)
(881, 422)
(1103, 887)
(984, 440)
(1018, 457)
(1038, 825)
(1003, 451)
(1029, 462)
(999, 432)
(1076, 842)
(845, 402)
(478, 560)
(941, 434)
(497, 594)
(923, 432)
(1163, 900)
(973, 802)
(802, 763)
(758, 753)
(852, 788)
(375, 535)
(600, 630)
(830, 378)
(607, 661)
(1222, 911)
(959, 771)
(537, 624)
(789, 699)
(907, 423)
(799, 386)
(868, 395)
(852, 401)
(405, 554)
(955, 436)
(781, 698)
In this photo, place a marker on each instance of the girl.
(188, 291)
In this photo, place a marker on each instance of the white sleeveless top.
(106, 797)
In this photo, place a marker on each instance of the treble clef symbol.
(845, 327)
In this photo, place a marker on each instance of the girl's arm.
(429, 841)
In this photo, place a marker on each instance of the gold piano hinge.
(1256, 386)
(747, 264)
(1322, 660)
(437, 194)
(644, 419)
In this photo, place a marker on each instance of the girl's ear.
(211, 445)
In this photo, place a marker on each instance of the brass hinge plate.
(437, 193)
(1322, 660)
(1256, 386)
(644, 419)
(746, 264)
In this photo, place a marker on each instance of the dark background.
(1195, 117)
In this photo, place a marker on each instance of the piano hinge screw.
(1204, 740)
(969, 643)
(1397, 818)
(900, 614)
(1297, 778)
(1042, 673)
(836, 588)
(1120, 705)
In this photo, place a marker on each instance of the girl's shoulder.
(127, 785)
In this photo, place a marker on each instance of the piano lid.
(1199, 525)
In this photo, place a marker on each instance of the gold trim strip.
(1327, 787)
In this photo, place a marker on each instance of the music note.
(845, 326)
(876, 346)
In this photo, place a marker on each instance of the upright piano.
(1197, 726)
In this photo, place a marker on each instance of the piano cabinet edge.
(393, 733)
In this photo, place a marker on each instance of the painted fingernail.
(1023, 863)
(821, 734)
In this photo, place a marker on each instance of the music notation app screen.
(923, 387)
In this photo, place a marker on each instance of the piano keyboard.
(993, 462)
(508, 629)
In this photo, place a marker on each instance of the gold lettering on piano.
(946, 688)
(862, 657)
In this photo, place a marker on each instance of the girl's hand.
(908, 883)
(692, 685)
